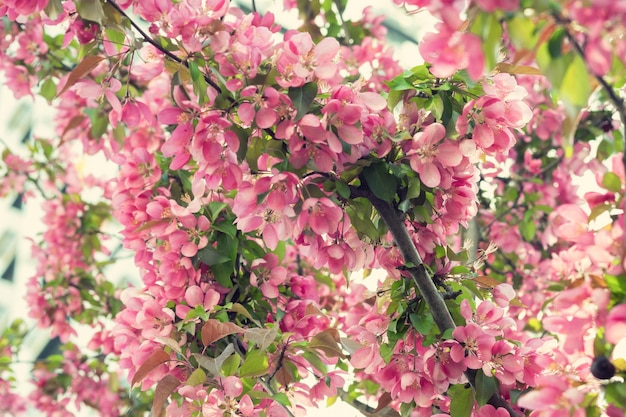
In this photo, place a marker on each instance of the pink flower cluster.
(55, 395)
(422, 373)
(492, 118)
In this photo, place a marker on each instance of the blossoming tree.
(259, 168)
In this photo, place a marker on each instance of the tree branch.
(422, 279)
(362, 407)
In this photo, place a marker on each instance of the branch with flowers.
(258, 169)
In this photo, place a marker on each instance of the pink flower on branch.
(449, 50)
(431, 154)
(474, 348)
(267, 206)
(268, 275)
(494, 115)
(555, 397)
(154, 320)
(320, 215)
(261, 108)
(300, 60)
(616, 324)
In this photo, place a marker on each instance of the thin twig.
(617, 101)
(343, 24)
(152, 42)
(271, 392)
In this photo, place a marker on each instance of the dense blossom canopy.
(262, 170)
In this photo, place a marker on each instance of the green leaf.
(197, 377)
(302, 98)
(210, 256)
(360, 211)
(380, 181)
(522, 31)
(256, 364)
(598, 210)
(404, 206)
(282, 399)
(510, 194)
(223, 273)
(313, 358)
(99, 125)
(460, 256)
(393, 98)
(194, 71)
(116, 37)
(231, 365)
(555, 43)
(487, 26)
(616, 283)
(576, 87)
(90, 10)
(199, 89)
(399, 83)
(386, 351)
(485, 388)
(215, 208)
(462, 401)
(226, 227)
(197, 312)
(421, 73)
(414, 188)
(423, 323)
(527, 227)
(612, 182)
(435, 106)
(53, 9)
(342, 189)
(616, 393)
(460, 269)
(446, 115)
(605, 149)
(406, 409)
(48, 89)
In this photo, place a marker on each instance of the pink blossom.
(474, 348)
(430, 154)
(489, 410)
(261, 108)
(154, 320)
(505, 364)
(616, 324)
(321, 215)
(449, 51)
(554, 397)
(442, 369)
(503, 294)
(300, 59)
(268, 275)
